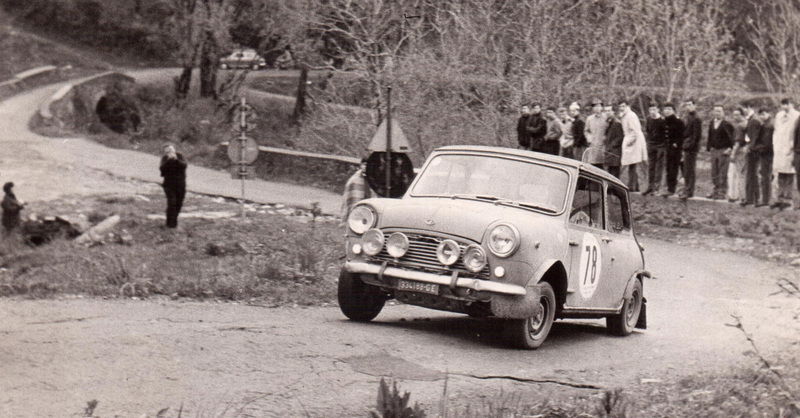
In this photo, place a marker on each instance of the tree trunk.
(208, 68)
(300, 102)
(183, 82)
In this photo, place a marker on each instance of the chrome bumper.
(419, 276)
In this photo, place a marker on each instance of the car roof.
(562, 161)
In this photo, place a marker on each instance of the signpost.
(243, 150)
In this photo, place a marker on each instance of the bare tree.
(774, 36)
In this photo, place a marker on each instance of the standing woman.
(173, 169)
(11, 209)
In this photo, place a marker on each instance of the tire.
(359, 301)
(623, 323)
(530, 333)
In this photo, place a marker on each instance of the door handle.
(573, 243)
(606, 240)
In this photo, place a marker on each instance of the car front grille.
(422, 254)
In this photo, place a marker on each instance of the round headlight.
(397, 245)
(448, 252)
(474, 258)
(361, 219)
(373, 242)
(503, 240)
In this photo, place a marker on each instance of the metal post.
(389, 141)
(242, 143)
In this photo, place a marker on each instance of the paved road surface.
(137, 357)
(45, 168)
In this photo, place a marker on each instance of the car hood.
(459, 217)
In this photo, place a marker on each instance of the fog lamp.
(474, 258)
(373, 242)
(448, 252)
(397, 245)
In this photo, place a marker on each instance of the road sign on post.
(243, 150)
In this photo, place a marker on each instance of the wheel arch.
(554, 272)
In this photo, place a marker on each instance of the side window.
(619, 217)
(587, 205)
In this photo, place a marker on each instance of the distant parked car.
(243, 58)
(486, 231)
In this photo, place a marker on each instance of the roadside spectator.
(797, 164)
(595, 132)
(656, 149)
(567, 141)
(634, 149)
(737, 170)
(615, 137)
(764, 150)
(673, 136)
(173, 169)
(720, 143)
(554, 131)
(691, 144)
(751, 135)
(537, 128)
(11, 209)
(783, 142)
(578, 131)
(356, 189)
(523, 139)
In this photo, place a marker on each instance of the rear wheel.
(530, 333)
(623, 323)
(357, 300)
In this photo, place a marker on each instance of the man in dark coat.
(523, 139)
(673, 136)
(763, 153)
(537, 128)
(578, 135)
(797, 165)
(752, 134)
(656, 148)
(614, 138)
(720, 143)
(691, 145)
(11, 208)
(173, 169)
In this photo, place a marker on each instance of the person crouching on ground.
(173, 169)
(356, 189)
(11, 209)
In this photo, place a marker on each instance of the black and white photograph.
(400, 208)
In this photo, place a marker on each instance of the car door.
(588, 241)
(625, 258)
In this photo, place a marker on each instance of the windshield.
(496, 179)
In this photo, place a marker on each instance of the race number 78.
(591, 265)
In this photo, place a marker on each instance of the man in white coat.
(783, 157)
(634, 148)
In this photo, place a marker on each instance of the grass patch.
(276, 256)
(743, 392)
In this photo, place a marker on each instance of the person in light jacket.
(595, 131)
(634, 148)
(783, 156)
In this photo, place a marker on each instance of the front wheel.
(623, 323)
(530, 333)
(357, 300)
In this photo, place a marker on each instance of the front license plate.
(420, 287)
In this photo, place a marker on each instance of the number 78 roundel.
(590, 267)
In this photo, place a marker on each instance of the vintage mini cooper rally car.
(499, 232)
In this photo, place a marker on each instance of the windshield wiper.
(477, 197)
(528, 206)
